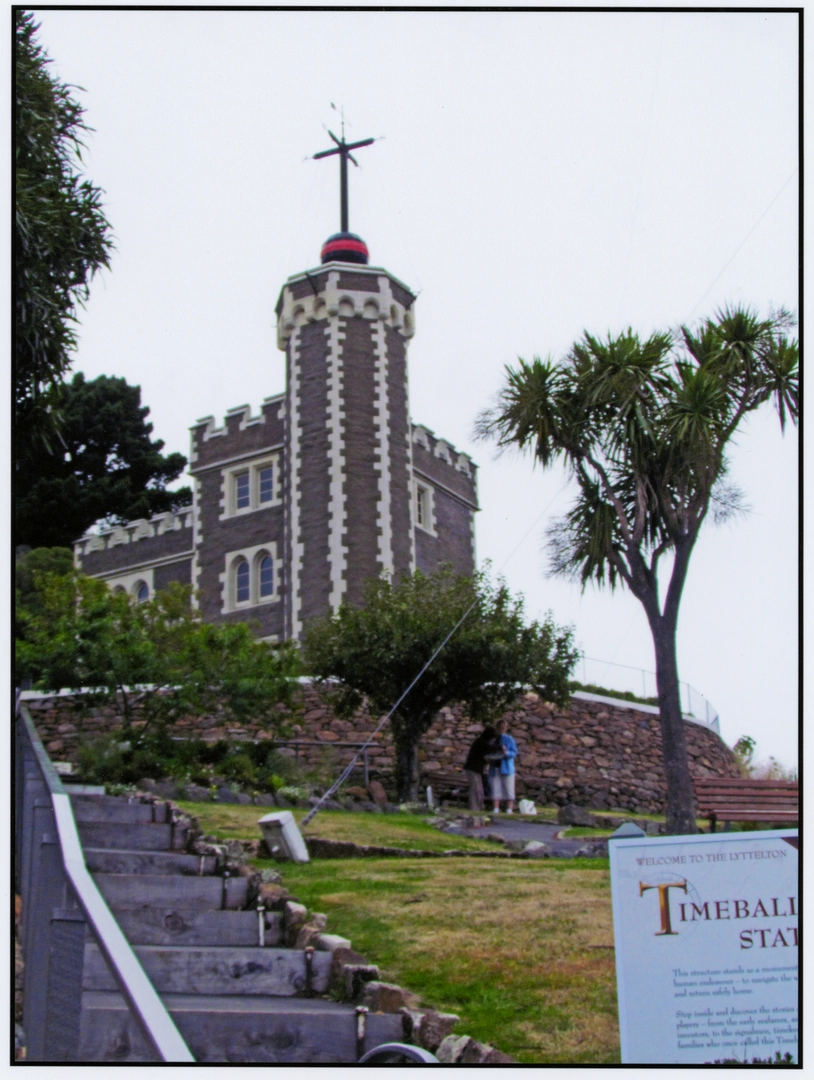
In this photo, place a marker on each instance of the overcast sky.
(541, 174)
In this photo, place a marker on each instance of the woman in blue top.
(501, 773)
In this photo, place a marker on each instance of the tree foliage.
(157, 660)
(376, 652)
(61, 235)
(644, 427)
(107, 466)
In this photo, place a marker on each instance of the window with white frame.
(139, 585)
(243, 592)
(266, 571)
(424, 507)
(243, 495)
(251, 577)
(252, 486)
(265, 484)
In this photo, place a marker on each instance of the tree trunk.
(406, 770)
(680, 793)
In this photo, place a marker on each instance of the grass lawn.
(390, 830)
(518, 949)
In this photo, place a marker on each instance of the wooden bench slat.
(748, 796)
(772, 802)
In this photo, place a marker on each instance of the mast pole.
(343, 149)
(343, 188)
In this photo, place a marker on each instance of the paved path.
(507, 827)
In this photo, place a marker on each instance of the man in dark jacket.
(475, 766)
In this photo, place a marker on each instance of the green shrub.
(623, 695)
(255, 766)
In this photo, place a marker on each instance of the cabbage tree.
(644, 427)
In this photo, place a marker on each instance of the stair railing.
(59, 900)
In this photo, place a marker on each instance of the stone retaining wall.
(589, 753)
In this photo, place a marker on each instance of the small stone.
(570, 814)
(475, 1053)
(263, 798)
(535, 849)
(497, 1057)
(377, 793)
(387, 997)
(274, 896)
(243, 798)
(308, 934)
(452, 1049)
(226, 795)
(197, 793)
(434, 1028)
(357, 978)
(341, 957)
(295, 916)
(331, 942)
(271, 877)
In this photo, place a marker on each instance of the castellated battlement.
(240, 433)
(142, 555)
(132, 532)
(364, 292)
(444, 451)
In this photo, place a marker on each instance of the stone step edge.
(351, 975)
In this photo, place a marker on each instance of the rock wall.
(589, 753)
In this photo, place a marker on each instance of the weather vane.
(344, 150)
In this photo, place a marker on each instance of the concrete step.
(180, 926)
(236, 1029)
(113, 861)
(218, 970)
(113, 808)
(132, 836)
(124, 892)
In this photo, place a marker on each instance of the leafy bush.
(252, 766)
(773, 770)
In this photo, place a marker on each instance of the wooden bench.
(774, 802)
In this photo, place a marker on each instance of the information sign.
(705, 932)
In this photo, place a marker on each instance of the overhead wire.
(743, 242)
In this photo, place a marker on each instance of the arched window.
(267, 576)
(242, 582)
(142, 591)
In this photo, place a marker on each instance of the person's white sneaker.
(510, 811)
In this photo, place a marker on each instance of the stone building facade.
(330, 484)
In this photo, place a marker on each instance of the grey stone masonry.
(349, 475)
(152, 553)
(297, 506)
(448, 533)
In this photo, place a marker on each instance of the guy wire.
(351, 765)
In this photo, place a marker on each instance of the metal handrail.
(397, 1053)
(694, 706)
(142, 999)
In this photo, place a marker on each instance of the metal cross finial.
(344, 150)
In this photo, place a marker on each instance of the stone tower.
(348, 480)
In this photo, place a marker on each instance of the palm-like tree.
(644, 427)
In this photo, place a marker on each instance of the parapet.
(365, 292)
(132, 532)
